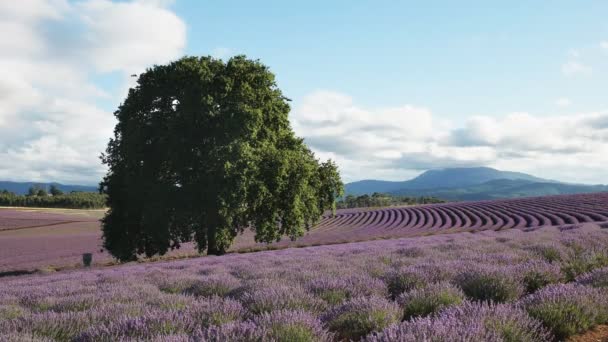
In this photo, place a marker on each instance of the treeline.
(73, 200)
(383, 200)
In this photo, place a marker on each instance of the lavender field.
(35, 240)
(540, 284)
(518, 213)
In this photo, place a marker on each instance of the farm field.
(544, 284)
(38, 239)
(46, 239)
(394, 222)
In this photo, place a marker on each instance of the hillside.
(440, 178)
(21, 188)
(475, 183)
(503, 188)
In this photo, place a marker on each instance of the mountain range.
(475, 183)
(453, 184)
(21, 188)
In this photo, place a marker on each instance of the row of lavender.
(509, 285)
(520, 213)
(22, 218)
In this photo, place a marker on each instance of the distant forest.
(383, 200)
(38, 197)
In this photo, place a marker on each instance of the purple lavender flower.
(280, 298)
(596, 278)
(246, 331)
(430, 299)
(361, 316)
(568, 309)
(470, 322)
(498, 284)
(538, 274)
(288, 326)
(335, 290)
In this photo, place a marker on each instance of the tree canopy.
(203, 149)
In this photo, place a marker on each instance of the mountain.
(441, 178)
(23, 187)
(502, 188)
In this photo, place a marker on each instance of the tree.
(55, 191)
(204, 150)
(36, 190)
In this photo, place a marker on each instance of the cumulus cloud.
(51, 124)
(396, 143)
(604, 45)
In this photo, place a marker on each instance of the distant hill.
(503, 188)
(441, 178)
(21, 188)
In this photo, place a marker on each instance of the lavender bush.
(596, 278)
(429, 300)
(292, 326)
(470, 322)
(360, 316)
(498, 284)
(568, 309)
(246, 331)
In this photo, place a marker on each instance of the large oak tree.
(203, 150)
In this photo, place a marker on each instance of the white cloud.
(51, 124)
(397, 143)
(604, 45)
(573, 68)
(138, 35)
(563, 102)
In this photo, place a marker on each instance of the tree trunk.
(212, 245)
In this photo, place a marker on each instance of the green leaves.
(203, 150)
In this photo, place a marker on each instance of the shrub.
(411, 252)
(470, 322)
(212, 285)
(582, 257)
(568, 309)
(246, 331)
(11, 311)
(280, 298)
(361, 316)
(495, 284)
(335, 290)
(55, 326)
(23, 337)
(597, 278)
(146, 327)
(549, 252)
(75, 303)
(292, 326)
(428, 300)
(538, 274)
(214, 311)
(404, 280)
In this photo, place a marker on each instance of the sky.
(387, 89)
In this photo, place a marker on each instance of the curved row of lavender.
(531, 212)
(513, 285)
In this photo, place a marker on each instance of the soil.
(598, 334)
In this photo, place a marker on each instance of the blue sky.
(459, 58)
(407, 86)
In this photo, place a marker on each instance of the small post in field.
(87, 259)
